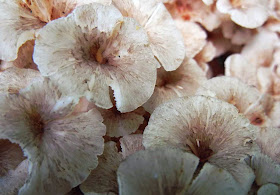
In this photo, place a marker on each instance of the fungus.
(100, 49)
(13, 79)
(131, 144)
(14, 179)
(269, 143)
(171, 171)
(269, 189)
(24, 58)
(165, 39)
(266, 170)
(196, 11)
(121, 124)
(237, 66)
(248, 100)
(266, 162)
(38, 119)
(246, 13)
(11, 156)
(206, 55)
(259, 50)
(117, 123)
(210, 128)
(181, 82)
(194, 37)
(21, 20)
(234, 32)
(103, 179)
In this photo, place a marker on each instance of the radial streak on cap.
(210, 128)
(100, 48)
(61, 148)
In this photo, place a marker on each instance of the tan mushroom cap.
(214, 180)
(165, 39)
(121, 124)
(234, 32)
(247, 99)
(117, 55)
(194, 37)
(210, 128)
(131, 144)
(117, 123)
(237, 66)
(270, 189)
(196, 11)
(266, 161)
(246, 13)
(266, 170)
(171, 171)
(222, 44)
(13, 79)
(259, 50)
(14, 179)
(11, 156)
(156, 172)
(21, 19)
(61, 148)
(17, 26)
(207, 53)
(24, 58)
(103, 179)
(182, 82)
(269, 142)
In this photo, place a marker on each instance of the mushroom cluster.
(139, 97)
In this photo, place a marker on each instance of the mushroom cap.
(121, 124)
(13, 79)
(247, 99)
(269, 142)
(117, 55)
(269, 189)
(266, 170)
(238, 66)
(14, 179)
(194, 37)
(236, 33)
(11, 156)
(61, 148)
(165, 39)
(210, 128)
(196, 11)
(214, 180)
(246, 13)
(171, 171)
(17, 26)
(207, 53)
(21, 20)
(131, 144)
(182, 82)
(117, 123)
(103, 179)
(161, 171)
(259, 50)
(24, 58)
